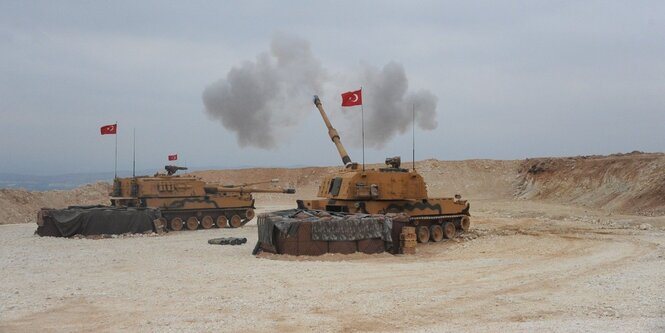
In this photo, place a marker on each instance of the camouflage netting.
(326, 226)
(96, 220)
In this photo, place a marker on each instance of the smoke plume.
(252, 100)
(259, 100)
(389, 106)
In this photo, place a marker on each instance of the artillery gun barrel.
(273, 181)
(334, 136)
(218, 189)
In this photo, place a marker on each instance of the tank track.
(176, 220)
(439, 227)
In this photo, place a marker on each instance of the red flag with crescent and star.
(109, 129)
(352, 98)
(173, 157)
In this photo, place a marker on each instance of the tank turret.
(172, 169)
(387, 190)
(391, 183)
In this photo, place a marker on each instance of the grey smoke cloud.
(259, 100)
(388, 104)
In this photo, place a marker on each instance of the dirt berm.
(631, 183)
(21, 206)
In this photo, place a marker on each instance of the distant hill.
(73, 180)
(46, 183)
(60, 182)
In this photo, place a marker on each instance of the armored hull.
(396, 191)
(187, 202)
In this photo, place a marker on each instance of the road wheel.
(192, 223)
(465, 224)
(436, 233)
(160, 223)
(207, 222)
(222, 222)
(449, 230)
(175, 224)
(423, 234)
(235, 221)
(249, 214)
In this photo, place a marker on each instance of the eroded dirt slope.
(625, 183)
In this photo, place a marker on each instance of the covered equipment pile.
(95, 220)
(315, 232)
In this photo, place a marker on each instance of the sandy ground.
(526, 266)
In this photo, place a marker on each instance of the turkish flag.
(173, 157)
(352, 98)
(109, 129)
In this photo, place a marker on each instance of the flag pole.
(115, 172)
(362, 118)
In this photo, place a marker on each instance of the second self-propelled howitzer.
(189, 202)
(388, 190)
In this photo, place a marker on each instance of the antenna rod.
(413, 130)
(134, 158)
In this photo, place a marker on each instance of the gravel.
(514, 274)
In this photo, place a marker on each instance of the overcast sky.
(511, 79)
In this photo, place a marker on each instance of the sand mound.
(21, 206)
(473, 179)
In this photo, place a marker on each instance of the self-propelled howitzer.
(388, 190)
(188, 201)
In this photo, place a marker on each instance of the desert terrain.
(556, 245)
